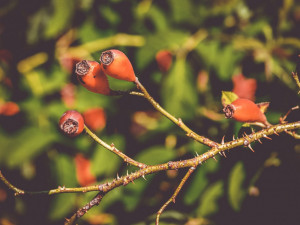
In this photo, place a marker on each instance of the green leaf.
(64, 170)
(133, 193)
(181, 10)
(228, 97)
(198, 184)
(62, 16)
(208, 50)
(150, 156)
(236, 193)
(179, 94)
(155, 155)
(227, 62)
(208, 203)
(223, 59)
(26, 145)
(158, 17)
(164, 39)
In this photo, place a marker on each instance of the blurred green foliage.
(40, 42)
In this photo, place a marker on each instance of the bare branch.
(172, 199)
(178, 122)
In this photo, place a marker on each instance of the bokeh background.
(185, 53)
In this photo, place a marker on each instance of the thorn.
(252, 130)
(259, 141)
(112, 145)
(276, 132)
(249, 146)
(221, 153)
(127, 172)
(223, 140)
(246, 135)
(118, 176)
(173, 200)
(233, 138)
(144, 177)
(224, 154)
(265, 136)
(179, 121)
(196, 153)
(215, 159)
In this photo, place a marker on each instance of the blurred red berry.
(83, 170)
(164, 59)
(95, 118)
(68, 94)
(9, 109)
(5, 56)
(243, 87)
(68, 63)
(202, 81)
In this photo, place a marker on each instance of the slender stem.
(178, 122)
(113, 149)
(296, 78)
(137, 93)
(16, 190)
(172, 199)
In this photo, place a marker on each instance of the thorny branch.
(144, 169)
(193, 162)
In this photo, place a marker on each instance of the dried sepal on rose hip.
(92, 77)
(245, 110)
(116, 64)
(71, 123)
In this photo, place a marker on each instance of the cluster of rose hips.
(92, 75)
(114, 63)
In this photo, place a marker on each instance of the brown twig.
(16, 190)
(113, 149)
(82, 211)
(172, 199)
(296, 78)
(282, 119)
(178, 122)
(193, 162)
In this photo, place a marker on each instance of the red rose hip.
(244, 110)
(71, 123)
(116, 64)
(92, 77)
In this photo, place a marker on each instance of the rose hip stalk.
(244, 110)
